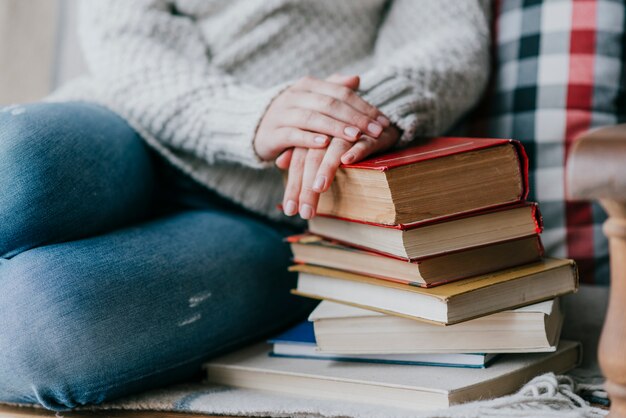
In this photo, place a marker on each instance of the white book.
(299, 341)
(419, 387)
(344, 329)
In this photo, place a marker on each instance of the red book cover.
(441, 147)
(430, 149)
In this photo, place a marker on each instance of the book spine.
(537, 218)
(523, 167)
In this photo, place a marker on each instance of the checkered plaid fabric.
(559, 71)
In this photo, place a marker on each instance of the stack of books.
(423, 258)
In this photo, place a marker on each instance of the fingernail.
(320, 181)
(352, 132)
(348, 158)
(374, 128)
(320, 140)
(306, 211)
(290, 208)
(383, 121)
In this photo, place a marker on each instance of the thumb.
(350, 81)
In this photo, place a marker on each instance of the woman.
(139, 232)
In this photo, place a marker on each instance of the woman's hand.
(311, 171)
(312, 111)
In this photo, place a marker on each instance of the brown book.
(434, 237)
(450, 303)
(439, 177)
(427, 271)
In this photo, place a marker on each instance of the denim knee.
(67, 170)
(92, 320)
(44, 338)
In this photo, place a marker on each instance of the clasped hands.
(311, 128)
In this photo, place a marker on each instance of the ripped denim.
(109, 283)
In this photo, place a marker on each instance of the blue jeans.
(117, 274)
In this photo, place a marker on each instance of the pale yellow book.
(450, 303)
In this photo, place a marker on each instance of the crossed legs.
(99, 298)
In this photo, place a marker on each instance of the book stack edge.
(434, 285)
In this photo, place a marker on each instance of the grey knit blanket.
(544, 396)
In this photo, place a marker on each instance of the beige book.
(344, 329)
(414, 387)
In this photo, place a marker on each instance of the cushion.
(558, 71)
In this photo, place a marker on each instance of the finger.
(300, 138)
(344, 94)
(308, 198)
(311, 120)
(340, 111)
(350, 81)
(364, 148)
(294, 181)
(328, 168)
(284, 159)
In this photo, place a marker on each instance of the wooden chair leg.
(596, 169)
(612, 350)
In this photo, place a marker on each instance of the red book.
(434, 237)
(438, 178)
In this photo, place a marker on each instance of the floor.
(18, 412)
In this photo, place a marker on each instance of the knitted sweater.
(194, 77)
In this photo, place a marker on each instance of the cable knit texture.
(194, 77)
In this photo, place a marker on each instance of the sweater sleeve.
(154, 67)
(431, 64)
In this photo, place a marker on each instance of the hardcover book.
(418, 388)
(299, 342)
(437, 178)
(425, 271)
(433, 237)
(342, 328)
(450, 303)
